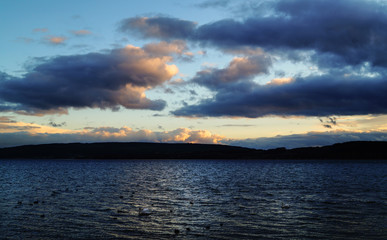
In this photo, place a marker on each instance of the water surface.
(202, 199)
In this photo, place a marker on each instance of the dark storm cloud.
(349, 31)
(325, 95)
(339, 36)
(158, 27)
(353, 30)
(94, 80)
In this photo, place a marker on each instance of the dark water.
(203, 199)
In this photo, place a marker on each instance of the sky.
(261, 74)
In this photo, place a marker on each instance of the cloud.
(109, 134)
(169, 91)
(193, 92)
(53, 124)
(244, 50)
(213, 3)
(352, 30)
(8, 125)
(175, 47)
(24, 134)
(237, 125)
(158, 27)
(280, 81)
(117, 78)
(328, 122)
(239, 69)
(310, 139)
(332, 120)
(349, 31)
(325, 95)
(4, 119)
(81, 32)
(344, 38)
(238, 8)
(55, 40)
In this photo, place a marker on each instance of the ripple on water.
(192, 199)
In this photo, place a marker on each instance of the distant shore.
(137, 150)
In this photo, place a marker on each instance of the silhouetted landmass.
(349, 150)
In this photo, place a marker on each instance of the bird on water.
(144, 212)
(284, 206)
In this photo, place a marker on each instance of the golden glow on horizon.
(32, 128)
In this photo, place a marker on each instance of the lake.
(193, 199)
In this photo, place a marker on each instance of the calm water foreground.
(193, 199)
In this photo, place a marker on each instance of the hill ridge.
(151, 150)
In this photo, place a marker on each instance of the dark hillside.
(127, 151)
(349, 150)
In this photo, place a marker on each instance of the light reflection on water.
(203, 199)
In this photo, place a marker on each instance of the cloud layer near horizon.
(310, 139)
(94, 80)
(22, 134)
(16, 134)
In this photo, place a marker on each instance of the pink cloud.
(56, 40)
(81, 32)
